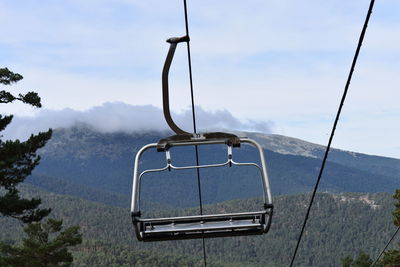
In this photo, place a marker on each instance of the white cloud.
(121, 117)
(284, 61)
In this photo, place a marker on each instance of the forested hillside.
(99, 166)
(86, 177)
(340, 224)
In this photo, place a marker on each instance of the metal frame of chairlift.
(200, 226)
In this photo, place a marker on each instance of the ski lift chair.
(199, 226)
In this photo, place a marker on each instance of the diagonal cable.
(387, 245)
(360, 41)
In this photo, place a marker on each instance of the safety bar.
(135, 202)
(170, 166)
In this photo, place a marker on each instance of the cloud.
(121, 117)
(283, 60)
(278, 60)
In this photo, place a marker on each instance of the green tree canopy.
(44, 246)
(18, 159)
(396, 212)
(362, 260)
(8, 77)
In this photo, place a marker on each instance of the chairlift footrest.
(175, 228)
(198, 139)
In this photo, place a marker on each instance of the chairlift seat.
(203, 226)
(200, 226)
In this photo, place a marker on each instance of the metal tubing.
(202, 234)
(266, 185)
(170, 166)
(135, 184)
(195, 217)
(136, 177)
(207, 229)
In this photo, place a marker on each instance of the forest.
(341, 224)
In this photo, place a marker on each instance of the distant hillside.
(340, 224)
(87, 163)
(293, 146)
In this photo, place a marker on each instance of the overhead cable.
(360, 41)
(194, 121)
(387, 245)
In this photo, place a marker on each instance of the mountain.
(340, 224)
(85, 176)
(293, 146)
(99, 166)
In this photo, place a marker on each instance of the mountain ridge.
(82, 157)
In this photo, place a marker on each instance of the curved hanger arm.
(165, 88)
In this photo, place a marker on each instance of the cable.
(194, 122)
(360, 41)
(388, 243)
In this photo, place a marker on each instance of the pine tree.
(18, 159)
(391, 258)
(43, 247)
(347, 261)
(396, 212)
(362, 260)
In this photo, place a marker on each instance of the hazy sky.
(282, 64)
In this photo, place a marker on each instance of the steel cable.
(388, 243)
(194, 121)
(360, 41)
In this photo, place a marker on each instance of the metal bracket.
(183, 137)
(186, 139)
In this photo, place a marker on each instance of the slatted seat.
(191, 227)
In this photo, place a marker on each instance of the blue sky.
(283, 63)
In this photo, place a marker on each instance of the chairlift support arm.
(165, 84)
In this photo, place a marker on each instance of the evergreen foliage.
(341, 224)
(46, 244)
(391, 258)
(103, 161)
(42, 247)
(396, 212)
(8, 77)
(347, 261)
(18, 159)
(362, 260)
